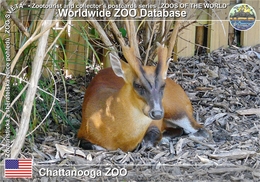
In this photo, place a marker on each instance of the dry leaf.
(89, 157)
(63, 151)
(179, 145)
(205, 160)
(210, 120)
(159, 155)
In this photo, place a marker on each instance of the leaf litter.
(224, 88)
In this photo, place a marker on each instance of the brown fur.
(113, 118)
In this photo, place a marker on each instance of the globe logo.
(242, 17)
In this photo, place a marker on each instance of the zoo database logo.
(242, 17)
(121, 13)
(125, 10)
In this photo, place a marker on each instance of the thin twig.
(149, 45)
(204, 144)
(55, 40)
(21, 92)
(193, 43)
(102, 33)
(31, 91)
(33, 38)
(15, 19)
(173, 38)
(133, 40)
(118, 34)
(52, 105)
(16, 98)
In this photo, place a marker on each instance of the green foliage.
(123, 31)
(47, 110)
(94, 32)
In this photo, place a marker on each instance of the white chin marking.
(183, 123)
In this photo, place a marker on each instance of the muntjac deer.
(129, 102)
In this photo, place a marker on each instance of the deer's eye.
(139, 88)
(162, 88)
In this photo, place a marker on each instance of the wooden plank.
(231, 30)
(202, 14)
(50, 64)
(251, 37)
(54, 62)
(201, 31)
(75, 51)
(186, 42)
(199, 39)
(218, 27)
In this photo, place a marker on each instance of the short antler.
(162, 52)
(163, 63)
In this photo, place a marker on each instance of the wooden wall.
(217, 31)
(208, 25)
(252, 36)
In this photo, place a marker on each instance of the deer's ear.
(118, 66)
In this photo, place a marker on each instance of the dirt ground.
(224, 88)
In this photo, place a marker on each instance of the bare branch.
(36, 72)
(102, 34)
(26, 44)
(52, 105)
(173, 38)
(149, 45)
(16, 20)
(118, 34)
(133, 41)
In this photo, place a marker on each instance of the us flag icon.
(18, 168)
